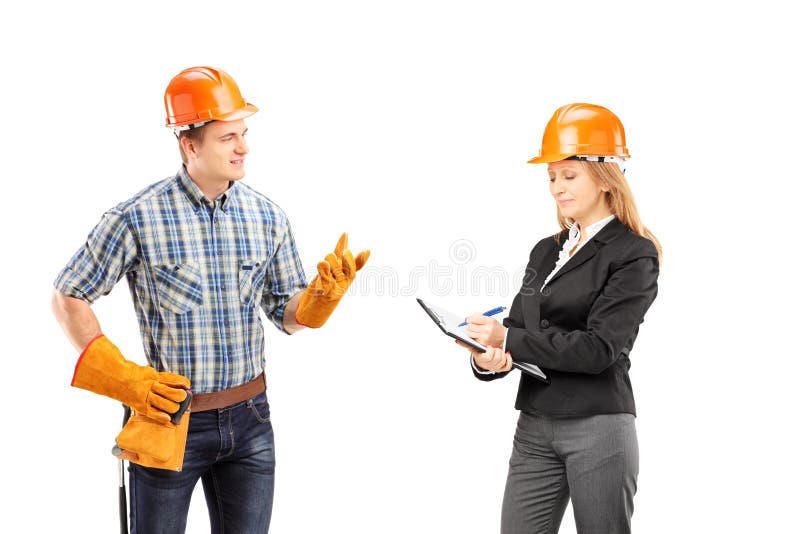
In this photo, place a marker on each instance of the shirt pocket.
(179, 286)
(251, 281)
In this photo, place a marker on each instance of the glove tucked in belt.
(149, 438)
(150, 443)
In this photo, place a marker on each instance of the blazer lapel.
(579, 258)
(609, 232)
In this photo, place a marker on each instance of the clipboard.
(448, 323)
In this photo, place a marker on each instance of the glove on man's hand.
(102, 369)
(335, 274)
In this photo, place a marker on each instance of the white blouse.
(572, 241)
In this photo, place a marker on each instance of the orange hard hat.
(199, 95)
(585, 131)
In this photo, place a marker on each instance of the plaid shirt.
(197, 272)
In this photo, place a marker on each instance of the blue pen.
(489, 313)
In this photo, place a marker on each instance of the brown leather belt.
(203, 402)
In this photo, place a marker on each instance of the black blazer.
(581, 327)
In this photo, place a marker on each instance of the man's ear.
(189, 147)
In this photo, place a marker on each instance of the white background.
(409, 124)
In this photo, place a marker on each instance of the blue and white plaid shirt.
(197, 272)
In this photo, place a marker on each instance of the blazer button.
(544, 323)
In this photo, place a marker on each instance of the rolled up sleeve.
(94, 270)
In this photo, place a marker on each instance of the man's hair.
(195, 135)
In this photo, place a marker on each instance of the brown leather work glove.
(335, 274)
(102, 369)
(151, 443)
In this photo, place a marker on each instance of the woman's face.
(578, 196)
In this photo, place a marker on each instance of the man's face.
(220, 156)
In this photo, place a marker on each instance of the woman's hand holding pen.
(485, 330)
(491, 334)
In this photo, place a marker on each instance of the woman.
(585, 293)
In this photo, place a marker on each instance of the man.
(200, 252)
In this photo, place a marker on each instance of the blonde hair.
(619, 198)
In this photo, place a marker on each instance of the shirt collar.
(196, 197)
(592, 229)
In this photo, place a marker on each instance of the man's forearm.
(76, 319)
(289, 322)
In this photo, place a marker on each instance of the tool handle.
(123, 498)
(123, 511)
(182, 409)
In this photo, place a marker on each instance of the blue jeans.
(232, 451)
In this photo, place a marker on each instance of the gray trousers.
(592, 460)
